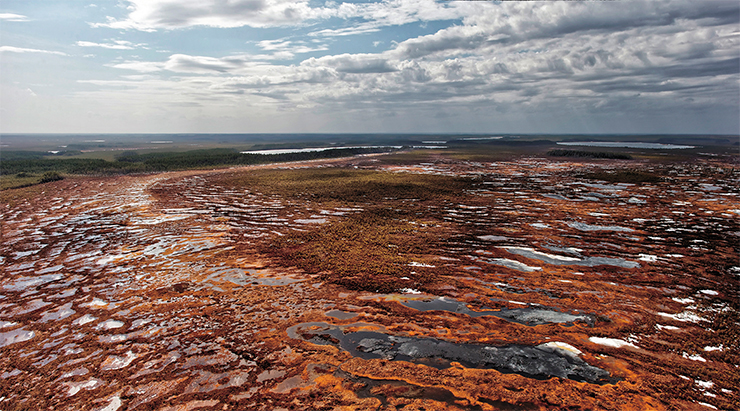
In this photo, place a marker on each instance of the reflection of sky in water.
(624, 145)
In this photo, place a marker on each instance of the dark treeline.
(131, 162)
(588, 154)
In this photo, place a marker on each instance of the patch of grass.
(369, 251)
(348, 185)
(18, 180)
(23, 179)
(497, 150)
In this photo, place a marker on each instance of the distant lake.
(309, 150)
(624, 144)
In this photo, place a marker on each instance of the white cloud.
(13, 17)
(353, 63)
(114, 44)
(11, 49)
(522, 55)
(347, 31)
(621, 63)
(140, 66)
(172, 14)
(151, 15)
(283, 49)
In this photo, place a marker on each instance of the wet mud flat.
(533, 288)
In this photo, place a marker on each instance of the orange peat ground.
(356, 284)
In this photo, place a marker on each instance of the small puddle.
(589, 227)
(15, 336)
(538, 362)
(525, 316)
(251, 276)
(568, 260)
(383, 389)
(340, 315)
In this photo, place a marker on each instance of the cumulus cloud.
(235, 64)
(353, 63)
(173, 14)
(151, 15)
(597, 58)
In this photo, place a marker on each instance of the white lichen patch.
(611, 342)
(705, 384)
(563, 347)
(686, 316)
(695, 357)
(648, 257)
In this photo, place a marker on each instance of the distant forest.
(30, 162)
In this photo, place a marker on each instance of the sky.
(391, 66)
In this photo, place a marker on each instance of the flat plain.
(423, 280)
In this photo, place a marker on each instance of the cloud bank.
(627, 66)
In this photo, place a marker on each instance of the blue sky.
(243, 66)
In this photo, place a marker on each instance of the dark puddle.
(383, 389)
(538, 362)
(525, 316)
(340, 315)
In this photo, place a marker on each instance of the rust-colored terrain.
(365, 284)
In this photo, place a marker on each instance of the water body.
(589, 227)
(505, 262)
(525, 316)
(310, 150)
(626, 144)
(376, 388)
(565, 260)
(340, 315)
(251, 277)
(540, 362)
